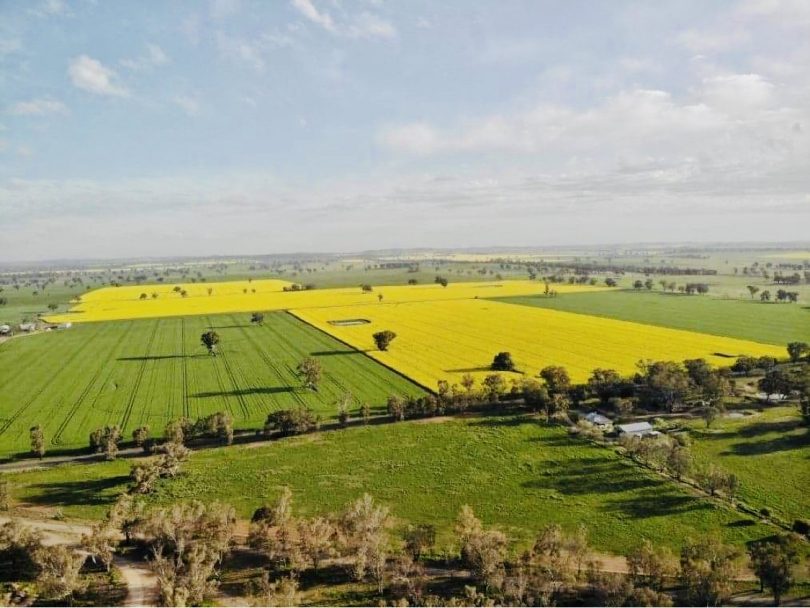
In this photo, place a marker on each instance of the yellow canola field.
(443, 340)
(115, 303)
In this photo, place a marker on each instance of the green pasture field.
(516, 473)
(140, 372)
(769, 323)
(770, 453)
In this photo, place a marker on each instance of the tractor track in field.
(269, 361)
(57, 438)
(138, 379)
(186, 408)
(239, 396)
(9, 421)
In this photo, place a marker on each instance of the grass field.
(769, 452)
(425, 471)
(115, 303)
(743, 319)
(148, 372)
(443, 340)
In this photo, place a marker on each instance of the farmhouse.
(638, 429)
(5, 330)
(599, 421)
(28, 327)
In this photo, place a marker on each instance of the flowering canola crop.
(442, 340)
(118, 303)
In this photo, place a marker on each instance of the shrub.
(503, 362)
(801, 526)
(292, 422)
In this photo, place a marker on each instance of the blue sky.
(224, 127)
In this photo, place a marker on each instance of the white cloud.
(713, 40)
(9, 45)
(413, 138)
(308, 10)
(189, 105)
(154, 57)
(364, 25)
(38, 107)
(241, 50)
(50, 8)
(91, 75)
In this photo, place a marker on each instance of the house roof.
(635, 427)
(597, 418)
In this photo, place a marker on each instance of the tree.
(666, 383)
(5, 494)
(292, 422)
(710, 413)
(765, 296)
(37, 437)
(493, 386)
(257, 318)
(503, 363)
(708, 569)
(638, 284)
(605, 384)
(753, 290)
(282, 592)
(556, 378)
(101, 543)
(482, 551)
(775, 382)
(317, 536)
(774, 562)
(396, 407)
(418, 539)
(343, 404)
(365, 413)
(467, 382)
(105, 440)
(210, 340)
(796, 350)
(364, 525)
(383, 339)
(59, 569)
(310, 370)
(188, 540)
(140, 435)
(650, 566)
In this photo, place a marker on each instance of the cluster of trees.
(558, 567)
(55, 570)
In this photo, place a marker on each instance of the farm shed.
(28, 326)
(637, 429)
(598, 420)
(5, 330)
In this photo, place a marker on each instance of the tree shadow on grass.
(160, 357)
(242, 392)
(592, 476)
(80, 492)
(777, 444)
(625, 489)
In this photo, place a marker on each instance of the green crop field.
(770, 453)
(132, 373)
(751, 320)
(516, 473)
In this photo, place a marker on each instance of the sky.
(162, 128)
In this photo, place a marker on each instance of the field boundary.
(377, 361)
